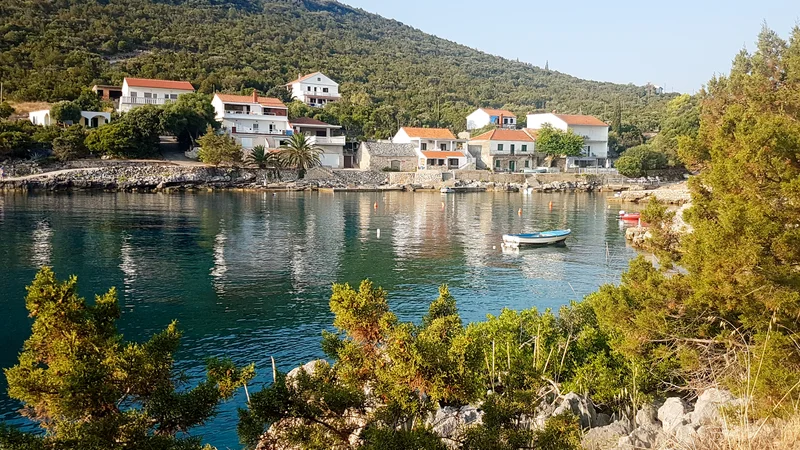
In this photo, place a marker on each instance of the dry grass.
(774, 434)
(23, 108)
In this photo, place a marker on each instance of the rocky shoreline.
(670, 423)
(131, 176)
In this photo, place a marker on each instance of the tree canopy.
(389, 73)
(554, 142)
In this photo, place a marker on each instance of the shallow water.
(248, 275)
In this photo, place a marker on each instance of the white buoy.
(379, 233)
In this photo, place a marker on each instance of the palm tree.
(275, 163)
(298, 153)
(258, 156)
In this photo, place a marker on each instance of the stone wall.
(420, 177)
(378, 163)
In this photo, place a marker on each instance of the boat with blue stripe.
(539, 238)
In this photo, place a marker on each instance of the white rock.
(605, 437)
(707, 407)
(580, 406)
(672, 413)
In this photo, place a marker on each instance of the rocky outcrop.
(677, 194)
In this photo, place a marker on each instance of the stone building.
(377, 156)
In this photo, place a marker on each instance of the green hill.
(392, 73)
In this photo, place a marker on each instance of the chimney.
(255, 95)
(500, 121)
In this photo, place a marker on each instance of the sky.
(679, 44)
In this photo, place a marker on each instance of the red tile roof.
(498, 112)
(442, 155)
(304, 78)
(429, 133)
(265, 101)
(575, 119)
(160, 84)
(504, 135)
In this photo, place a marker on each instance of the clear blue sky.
(678, 44)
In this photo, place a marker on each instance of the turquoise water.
(248, 275)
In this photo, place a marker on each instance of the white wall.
(477, 119)
(246, 124)
(536, 121)
(315, 85)
(507, 147)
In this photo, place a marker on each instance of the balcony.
(321, 94)
(325, 140)
(145, 101)
(248, 130)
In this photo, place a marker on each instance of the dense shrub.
(636, 161)
(219, 149)
(71, 144)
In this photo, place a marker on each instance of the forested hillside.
(50, 49)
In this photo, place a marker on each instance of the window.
(271, 127)
(319, 79)
(497, 163)
(423, 146)
(441, 162)
(247, 143)
(524, 148)
(527, 163)
(173, 96)
(309, 89)
(255, 126)
(431, 162)
(512, 148)
(133, 94)
(443, 147)
(452, 162)
(324, 89)
(499, 147)
(148, 95)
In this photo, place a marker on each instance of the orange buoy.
(551, 205)
(519, 212)
(376, 205)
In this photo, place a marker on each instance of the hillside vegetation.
(392, 73)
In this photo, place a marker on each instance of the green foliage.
(89, 101)
(199, 41)
(189, 116)
(628, 136)
(65, 112)
(298, 153)
(219, 148)
(562, 432)
(554, 142)
(681, 120)
(71, 144)
(636, 161)
(6, 110)
(87, 388)
(258, 157)
(17, 138)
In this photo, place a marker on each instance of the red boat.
(632, 216)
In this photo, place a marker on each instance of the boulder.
(708, 405)
(685, 434)
(606, 437)
(644, 437)
(449, 422)
(602, 420)
(309, 368)
(580, 406)
(672, 413)
(647, 417)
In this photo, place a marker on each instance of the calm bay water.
(248, 275)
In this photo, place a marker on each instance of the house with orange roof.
(593, 130)
(325, 136)
(436, 148)
(504, 150)
(253, 120)
(146, 91)
(482, 117)
(314, 89)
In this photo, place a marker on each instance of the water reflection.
(248, 276)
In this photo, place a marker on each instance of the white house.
(89, 119)
(436, 148)
(324, 136)
(505, 150)
(144, 91)
(486, 116)
(253, 120)
(314, 89)
(593, 130)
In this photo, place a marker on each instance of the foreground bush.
(88, 389)
(636, 161)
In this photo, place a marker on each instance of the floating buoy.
(494, 247)
(376, 205)
(519, 212)
(379, 232)
(550, 205)
(274, 194)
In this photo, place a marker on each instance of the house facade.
(381, 156)
(314, 89)
(107, 92)
(144, 91)
(436, 148)
(486, 116)
(593, 130)
(89, 119)
(505, 150)
(253, 120)
(325, 136)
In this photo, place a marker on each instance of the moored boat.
(540, 238)
(447, 190)
(634, 216)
